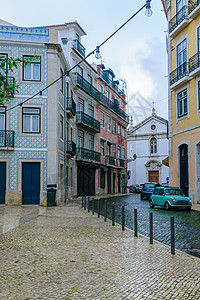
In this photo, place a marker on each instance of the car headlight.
(173, 199)
(190, 200)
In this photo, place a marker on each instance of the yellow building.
(184, 94)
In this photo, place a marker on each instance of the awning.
(102, 140)
(109, 143)
(166, 161)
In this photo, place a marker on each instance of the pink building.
(112, 139)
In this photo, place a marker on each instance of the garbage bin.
(51, 194)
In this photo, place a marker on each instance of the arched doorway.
(184, 182)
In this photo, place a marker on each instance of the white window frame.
(108, 123)
(31, 118)
(34, 62)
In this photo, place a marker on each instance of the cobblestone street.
(66, 253)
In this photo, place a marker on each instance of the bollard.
(82, 200)
(93, 206)
(172, 236)
(123, 217)
(85, 203)
(88, 204)
(135, 221)
(105, 210)
(151, 227)
(113, 214)
(98, 208)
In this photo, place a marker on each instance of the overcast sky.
(137, 53)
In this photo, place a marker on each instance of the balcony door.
(180, 4)
(181, 59)
(2, 126)
(184, 177)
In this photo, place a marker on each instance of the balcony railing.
(85, 119)
(110, 160)
(99, 96)
(192, 5)
(79, 47)
(71, 148)
(179, 73)
(120, 162)
(71, 105)
(7, 138)
(83, 153)
(178, 18)
(194, 62)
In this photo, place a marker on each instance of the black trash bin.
(51, 194)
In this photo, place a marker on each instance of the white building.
(147, 147)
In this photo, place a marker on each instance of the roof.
(2, 22)
(131, 129)
(64, 25)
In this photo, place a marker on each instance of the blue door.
(30, 183)
(2, 182)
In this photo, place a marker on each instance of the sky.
(136, 54)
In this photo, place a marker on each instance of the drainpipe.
(66, 79)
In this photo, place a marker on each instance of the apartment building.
(184, 94)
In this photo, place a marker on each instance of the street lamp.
(148, 11)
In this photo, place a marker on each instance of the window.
(62, 81)
(182, 103)
(80, 139)
(181, 59)
(119, 152)
(123, 131)
(80, 71)
(114, 126)
(91, 111)
(123, 153)
(101, 89)
(80, 105)
(114, 150)
(198, 39)
(77, 37)
(102, 119)
(91, 142)
(102, 148)
(119, 129)
(31, 120)
(32, 71)
(153, 145)
(107, 94)
(90, 79)
(108, 121)
(2, 118)
(3, 56)
(153, 127)
(108, 150)
(64, 41)
(198, 94)
(61, 126)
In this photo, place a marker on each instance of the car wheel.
(167, 206)
(151, 205)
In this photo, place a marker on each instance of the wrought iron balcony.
(87, 154)
(71, 148)
(179, 73)
(178, 18)
(99, 96)
(71, 106)
(120, 162)
(192, 5)
(194, 62)
(7, 138)
(110, 160)
(86, 120)
(79, 47)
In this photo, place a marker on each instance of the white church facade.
(147, 148)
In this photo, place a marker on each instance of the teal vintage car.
(169, 197)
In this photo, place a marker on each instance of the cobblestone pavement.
(66, 253)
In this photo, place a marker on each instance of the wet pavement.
(67, 253)
(187, 223)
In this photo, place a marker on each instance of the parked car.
(165, 184)
(134, 188)
(148, 189)
(169, 197)
(141, 187)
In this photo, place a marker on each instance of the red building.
(112, 139)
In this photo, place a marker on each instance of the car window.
(155, 192)
(161, 191)
(150, 185)
(174, 192)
